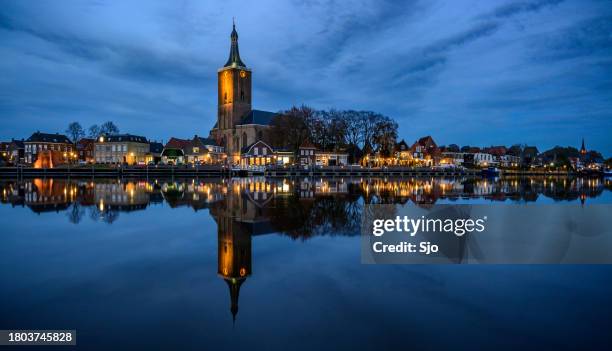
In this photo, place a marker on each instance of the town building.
(195, 151)
(49, 149)
(284, 157)
(482, 159)
(216, 152)
(403, 156)
(85, 150)
(452, 158)
(122, 149)
(155, 150)
(529, 156)
(258, 153)
(16, 152)
(174, 151)
(425, 152)
(331, 158)
(238, 126)
(306, 154)
(4, 152)
(509, 161)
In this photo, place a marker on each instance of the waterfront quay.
(97, 171)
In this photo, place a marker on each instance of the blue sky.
(466, 72)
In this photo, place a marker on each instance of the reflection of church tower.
(234, 257)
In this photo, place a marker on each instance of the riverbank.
(99, 171)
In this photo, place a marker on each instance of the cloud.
(469, 73)
(515, 8)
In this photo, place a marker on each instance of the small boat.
(490, 172)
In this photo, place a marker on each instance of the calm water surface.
(275, 264)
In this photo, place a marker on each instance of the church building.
(238, 125)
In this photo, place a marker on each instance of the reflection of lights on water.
(242, 272)
(101, 205)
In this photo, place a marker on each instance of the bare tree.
(75, 132)
(290, 128)
(94, 131)
(385, 134)
(109, 128)
(353, 131)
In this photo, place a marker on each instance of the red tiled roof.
(176, 143)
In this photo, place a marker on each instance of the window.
(264, 151)
(124, 147)
(256, 151)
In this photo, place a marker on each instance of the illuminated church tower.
(234, 97)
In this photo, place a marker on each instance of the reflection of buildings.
(44, 195)
(257, 200)
(121, 196)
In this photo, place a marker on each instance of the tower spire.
(234, 288)
(234, 56)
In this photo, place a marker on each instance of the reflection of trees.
(76, 213)
(323, 215)
(107, 215)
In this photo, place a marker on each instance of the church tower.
(234, 96)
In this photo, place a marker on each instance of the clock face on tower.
(242, 74)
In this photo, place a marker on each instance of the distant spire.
(234, 56)
(583, 148)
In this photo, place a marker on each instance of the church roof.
(234, 56)
(258, 117)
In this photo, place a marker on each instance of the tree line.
(357, 132)
(76, 132)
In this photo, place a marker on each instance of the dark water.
(275, 264)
